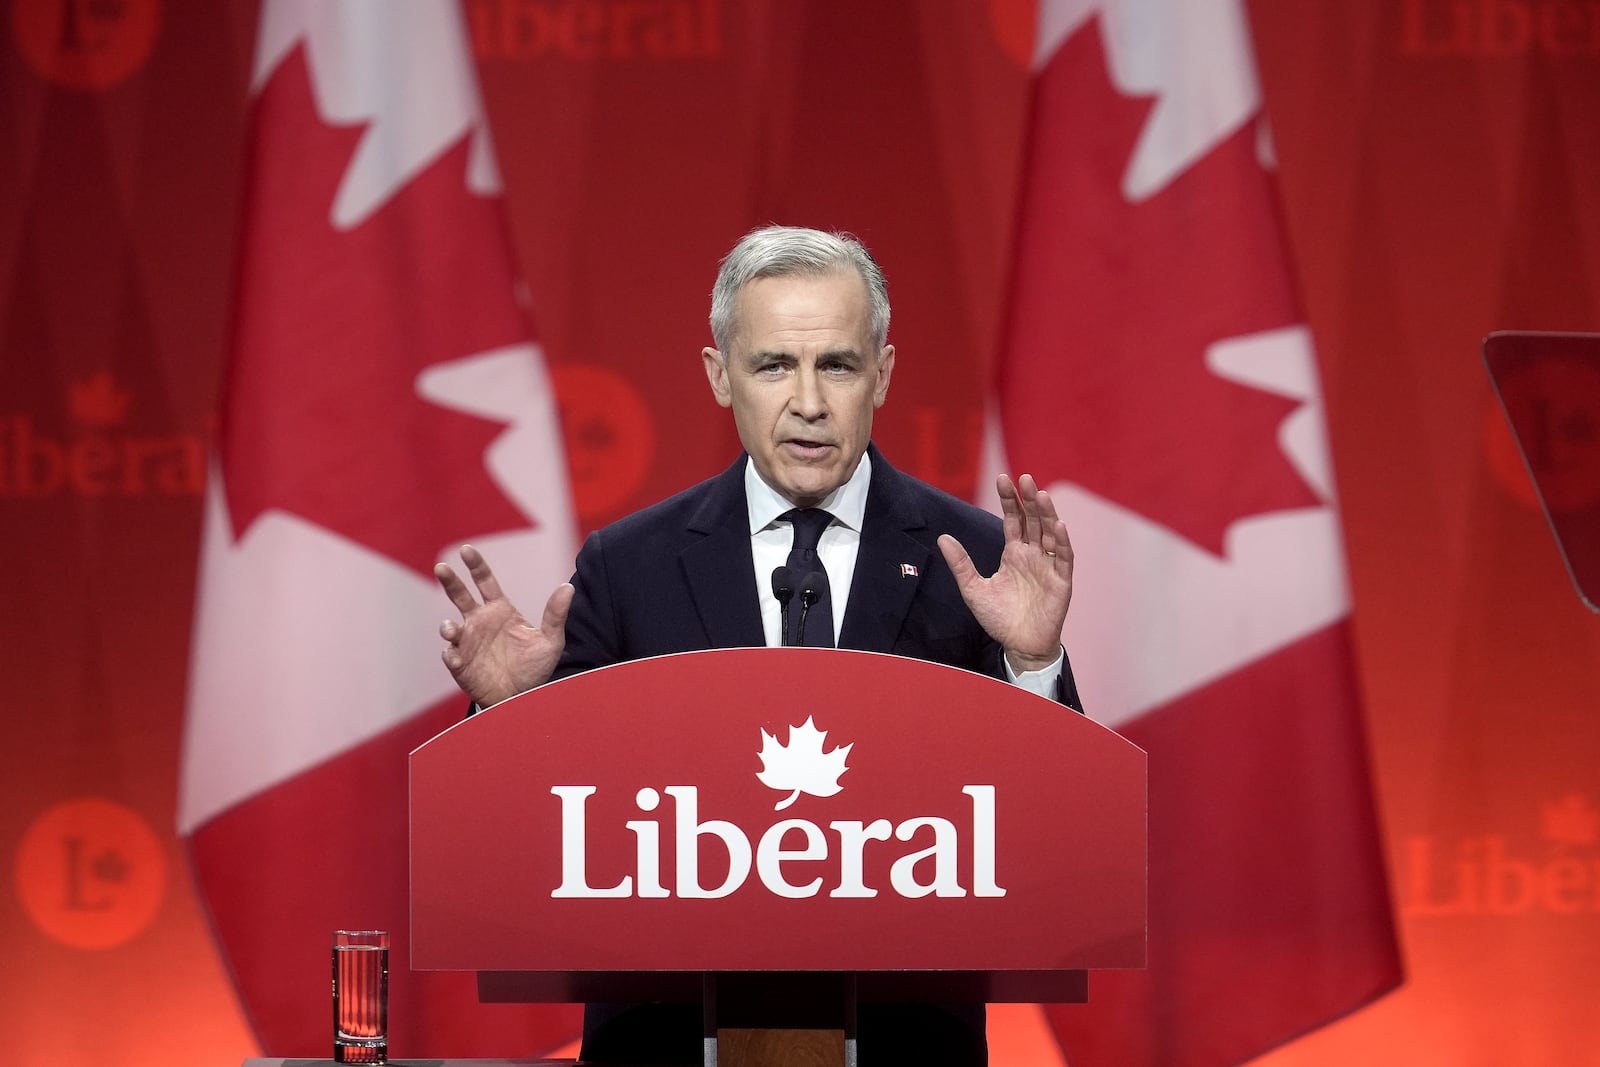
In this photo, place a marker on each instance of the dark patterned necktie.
(817, 615)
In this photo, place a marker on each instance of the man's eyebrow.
(841, 355)
(782, 355)
(760, 357)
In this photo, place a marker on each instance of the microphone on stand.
(783, 589)
(811, 590)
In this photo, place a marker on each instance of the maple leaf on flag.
(801, 765)
(1139, 293)
(349, 442)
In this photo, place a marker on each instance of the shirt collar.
(848, 503)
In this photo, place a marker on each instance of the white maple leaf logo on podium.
(801, 766)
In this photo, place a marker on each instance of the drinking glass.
(361, 996)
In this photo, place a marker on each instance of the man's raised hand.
(494, 653)
(1024, 604)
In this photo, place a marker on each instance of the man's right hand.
(494, 653)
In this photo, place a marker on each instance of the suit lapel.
(881, 591)
(718, 568)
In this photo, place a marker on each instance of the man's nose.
(807, 399)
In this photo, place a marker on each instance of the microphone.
(811, 589)
(783, 589)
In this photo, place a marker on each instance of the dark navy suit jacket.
(679, 577)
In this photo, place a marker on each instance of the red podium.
(778, 834)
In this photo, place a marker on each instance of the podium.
(778, 834)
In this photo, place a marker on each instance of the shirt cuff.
(1045, 682)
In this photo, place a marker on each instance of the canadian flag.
(1157, 378)
(384, 403)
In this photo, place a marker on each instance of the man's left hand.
(1023, 605)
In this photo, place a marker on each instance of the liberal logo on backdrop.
(835, 857)
(1494, 29)
(595, 29)
(85, 44)
(94, 452)
(90, 873)
(1555, 872)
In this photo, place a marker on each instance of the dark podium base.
(770, 987)
(270, 1061)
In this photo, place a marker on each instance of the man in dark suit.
(800, 320)
(629, 606)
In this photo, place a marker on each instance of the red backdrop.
(1438, 160)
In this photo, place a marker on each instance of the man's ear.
(717, 375)
(885, 369)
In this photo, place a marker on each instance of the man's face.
(803, 379)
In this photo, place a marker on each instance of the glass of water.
(361, 996)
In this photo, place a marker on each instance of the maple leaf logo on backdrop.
(1571, 822)
(1116, 304)
(324, 418)
(801, 765)
(96, 401)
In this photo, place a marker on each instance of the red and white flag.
(384, 403)
(1158, 379)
